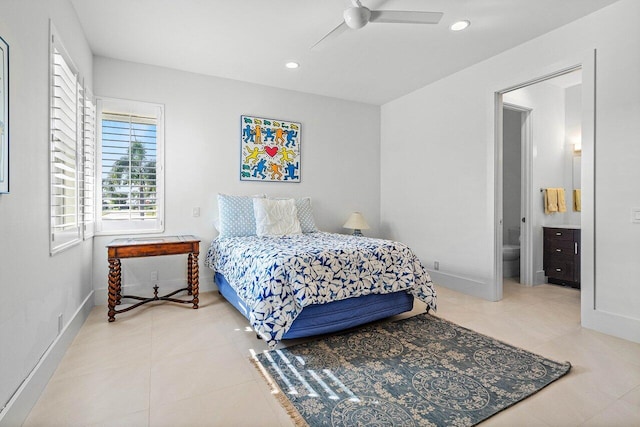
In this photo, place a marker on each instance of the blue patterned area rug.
(419, 371)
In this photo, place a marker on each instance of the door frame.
(526, 192)
(498, 181)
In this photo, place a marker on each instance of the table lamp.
(356, 222)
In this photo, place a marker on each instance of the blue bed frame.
(339, 315)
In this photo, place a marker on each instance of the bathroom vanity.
(561, 259)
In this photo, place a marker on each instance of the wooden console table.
(146, 247)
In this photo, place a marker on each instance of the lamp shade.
(356, 222)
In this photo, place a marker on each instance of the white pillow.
(305, 214)
(276, 217)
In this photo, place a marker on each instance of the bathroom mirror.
(4, 117)
(577, 161)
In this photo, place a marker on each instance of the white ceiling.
(250, 40)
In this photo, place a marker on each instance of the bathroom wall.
(573, 133)
(511, 172)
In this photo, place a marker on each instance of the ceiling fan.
(358, 16)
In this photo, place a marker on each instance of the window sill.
(128, 232)
(64, 247)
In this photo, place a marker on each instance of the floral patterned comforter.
(278, 276)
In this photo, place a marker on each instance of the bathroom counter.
(561, 260)
(565, 226)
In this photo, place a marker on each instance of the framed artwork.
(269, 150)
(4, 117)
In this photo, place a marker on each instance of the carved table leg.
(190, 274)
(192, 277)
(114, 287)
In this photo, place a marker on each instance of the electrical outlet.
(154, 276)
(436, 265)
(60, 323)
(196, 212)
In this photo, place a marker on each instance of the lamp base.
(357, 232)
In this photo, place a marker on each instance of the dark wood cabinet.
(562, 256)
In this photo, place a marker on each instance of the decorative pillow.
(276, 217)
(305, 215)
(236, 215)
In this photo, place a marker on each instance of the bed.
(304, 284)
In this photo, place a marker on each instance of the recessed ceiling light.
(292, 65)
(460, 25)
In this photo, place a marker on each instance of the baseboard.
(465, 285)
(205, 284)
(611, 324)
(539, 278)
(21, 403)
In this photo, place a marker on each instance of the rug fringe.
(297, 419)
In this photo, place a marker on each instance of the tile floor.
(170, 365)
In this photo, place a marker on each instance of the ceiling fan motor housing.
(357, 17)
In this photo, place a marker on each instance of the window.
(66, 114)
(72, 149)
(131, 167)
(88, 193)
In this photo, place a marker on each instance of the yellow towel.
(550, 200)
(562, 205)
(546, 203)
(577, 200)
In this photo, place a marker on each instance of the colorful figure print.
(268, 134)
(286, 155)
(260, 168)
(247, 134)
(275, 171)
(257, 132)
(270, 150)
(291, 137)
(291, 172)
(253, 154)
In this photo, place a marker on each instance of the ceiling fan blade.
(331, 35)
(405, 17)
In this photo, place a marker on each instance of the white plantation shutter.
(89, 169)
(131, 140)
(65, 112)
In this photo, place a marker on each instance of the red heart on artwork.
(271, 151)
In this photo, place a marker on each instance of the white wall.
(340, 155)
(35, 287)
(437, 151)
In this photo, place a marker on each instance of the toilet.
(511, 254)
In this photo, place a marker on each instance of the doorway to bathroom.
(516, 173)
(540, 150)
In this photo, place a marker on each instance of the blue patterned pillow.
(305, 215)
(236, 215)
